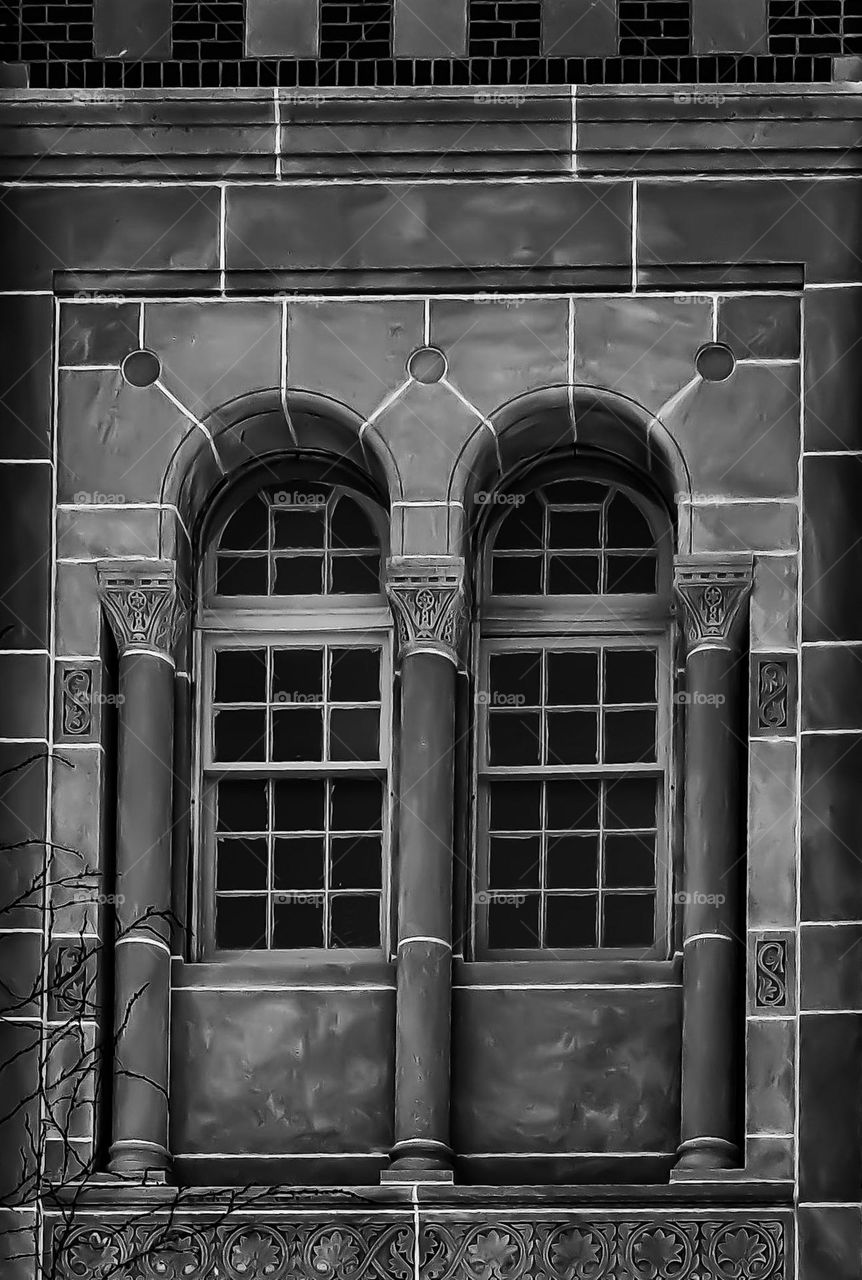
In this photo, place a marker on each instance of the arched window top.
(577, 535)
(296, 536)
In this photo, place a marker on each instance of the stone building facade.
(386, 469)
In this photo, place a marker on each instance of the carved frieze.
(773, 695)
(429, 602)
(142, 603)
(712, 594)
(640, 1247)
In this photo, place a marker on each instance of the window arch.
(293, 667)
(573, 716)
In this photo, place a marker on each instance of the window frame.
(300, 621)
(620, 620)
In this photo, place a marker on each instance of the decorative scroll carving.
(770, 980)
(649, 1247)
(142, 604)
(712, 595)
(77, 701)
(773, 694)
(69, 979)
(429, 602)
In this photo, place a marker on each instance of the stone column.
(712, 594)
(427, 595)
(141, 604)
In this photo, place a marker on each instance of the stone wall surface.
(321, 289)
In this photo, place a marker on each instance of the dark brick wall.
(654, 28)
(355, 29)
(505, 28)
(207, 30)
(815, 26)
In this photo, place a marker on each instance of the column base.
(419, 1160)
(701, 1155)
(145, 1162)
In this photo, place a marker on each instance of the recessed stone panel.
(25, 498)
(91, 228)
(729, 26)
(355, 352)
(771, 1072)
(760, 326)
(435, 31)
(832, 548)
(579, 29)
(25, 377)
(497, 349)
(282, 28)
(213, 352)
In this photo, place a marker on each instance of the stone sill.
(732, 1189)
(548, 132)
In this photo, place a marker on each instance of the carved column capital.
(142, 603)
(428, 596)
(712, 594)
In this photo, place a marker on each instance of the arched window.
(293, 668)
(573, 718)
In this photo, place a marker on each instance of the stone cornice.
(176, 135)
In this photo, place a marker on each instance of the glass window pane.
(354, 675)
(299, 804)
(572, 737)
(248, 527)
(630, 803)
(297, 733)
(630, 737)
(573, 862)
(355, 575)
(240, 675)
(354, 734)
(630, 862)
(297, 675)
(515, 679)
(514, 737)
(356, 862)
(241, 864)
(572, 491)
(626, 526)
(573, 805)
(630, 675)
(514, 924)
(241, 804)
(629, 920)
(298, 863)
(240, 923)
(351, 527)
(298, 527)
(522, 528)
(570, 920)
(298, 576)
(242, 576)
(515, 806)
(240, 735)
(355, 921)
(573, 679)
(355, 804)
(631, 574)
(514, 862)
(516, 575)
(571, 530)
(297, 923)
(573, 575)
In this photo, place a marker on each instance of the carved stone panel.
(429, 603)
(78, 701)
(657, 1245)
(772, 973)
(142, 603)
(773, 688)
(712, 594)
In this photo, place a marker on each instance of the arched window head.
(294, 686)
(573, 717)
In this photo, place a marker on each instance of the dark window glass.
(240, 736)
(354, 675)
(516, 575)
(242, 576)
(240, 675)
(515, 679)
(298, 575)
(355, 921)
(515, 862)
(515, 806)
(240, 923)
(355, 805)
(571, 920)
(515, 737)
(297, 922)
(241, 804)
(297, 733)
(629, 920)
(573, 862)
(513, 924)
(354, 734)
(356, 862)
(299, 804)
(298, 862)
(355, 575)
(241, 864)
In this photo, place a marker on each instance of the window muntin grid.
(573, 851)
(298, 836)
(298, 539)
(573, 537)
(599, 726)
